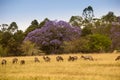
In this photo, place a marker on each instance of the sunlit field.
(104, 67)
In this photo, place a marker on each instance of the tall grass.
(103, 68)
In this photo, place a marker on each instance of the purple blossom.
(55, 42)
(45, 43)
(54, 33)
(115, 36)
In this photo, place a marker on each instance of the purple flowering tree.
(51, 36)
(115, 36)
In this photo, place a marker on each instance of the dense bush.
(29, 48)
(3, 51)
(99, 43)
(90, 43)
(76, 46)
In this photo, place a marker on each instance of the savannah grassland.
(103, 68)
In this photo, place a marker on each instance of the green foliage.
(3, 27)
(11, 42)
(97, 23)
(19, 36)
(83, 45)
(29, 48)
(12, 46)
(3, 51)
(103, 29)
(76, 21)
(99, 43)
(86, 31)
(90, 43)
(13, 27)
(43, 22)
(88, 13)
(4, 38)
(110, 17)
(76, 46)
(34, 22)
(33, 26)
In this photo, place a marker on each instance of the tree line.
(85, 34)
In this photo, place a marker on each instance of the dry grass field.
(104, 67)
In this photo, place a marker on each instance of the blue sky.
(24, 11)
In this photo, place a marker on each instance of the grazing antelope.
(22, 62)
(36, 59)
(4, 62)
(15, 60)
(87, 58)
(72, 58)
(46, 58)
(75, 57)
(118, 58)
(59, 58)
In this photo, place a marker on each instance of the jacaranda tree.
(115, 37)
(51, 36)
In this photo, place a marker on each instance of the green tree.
(110, 17)
(103, 29)
(43, 22)
(4, 42)
(13, 27)
(99, 43)
(33, 26)
(86, 31)
(19, 36)
(76, 46)
(4, 38)
(11, 42)
(3, 51)
(76, 21)
(34, 22)
(12, 47)
(96, 22)
(3, 27)
(118, 19)
(88, 13)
